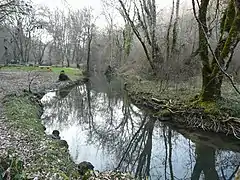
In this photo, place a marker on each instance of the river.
(101, 126)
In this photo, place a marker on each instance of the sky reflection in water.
(103, 127)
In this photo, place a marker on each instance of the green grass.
(68, 70)
(23, 115)
(48, 155)
(185, 93)
(73, 73)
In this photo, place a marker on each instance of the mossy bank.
(41, 156)
(178, 104)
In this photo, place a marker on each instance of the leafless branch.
(136, 33)
(31, 78)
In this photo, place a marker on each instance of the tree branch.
(212, 52)
(137, 34)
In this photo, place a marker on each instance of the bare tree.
(72, 34)
(175, 29)
(145, 29)
(21, 27)
(169, 30)
(89, 39)
(38, 50)
(172, 32)
(8, 7)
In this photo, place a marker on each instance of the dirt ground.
(17, 81)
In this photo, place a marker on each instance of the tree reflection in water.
(139, 149)
(132, 139)
(205, 162)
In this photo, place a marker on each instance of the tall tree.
(8, 7)
(89, 39)
(21, 25)
(213, 68)
(172, 38)
(169, 30)
(145, 29)
(175, 29)
(72, 35)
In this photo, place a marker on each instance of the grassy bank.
(73, 73)
(41, 156)
(177, 102)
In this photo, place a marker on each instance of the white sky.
(97, 6)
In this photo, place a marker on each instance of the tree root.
(192, 118)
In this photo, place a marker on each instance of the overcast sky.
(97, 6)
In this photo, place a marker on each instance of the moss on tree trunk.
(211, 86)
(212, 71)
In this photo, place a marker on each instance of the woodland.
(179, 63)
(174, 44)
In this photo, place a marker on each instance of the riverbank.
(26, 151)
(42, 156)
(165, 103)
(178, 105)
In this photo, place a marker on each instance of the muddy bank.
(181, 108)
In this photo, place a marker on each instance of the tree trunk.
(168, 32)
(211, 86)
(212, 71)
(68, 62)
(208, 84)
(89, 49)
(175, 29)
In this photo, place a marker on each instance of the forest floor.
(177, 103)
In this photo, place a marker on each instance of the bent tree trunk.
(212, 70)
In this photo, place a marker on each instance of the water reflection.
(103, 127)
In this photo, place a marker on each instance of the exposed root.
(191, 118)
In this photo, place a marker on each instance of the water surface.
(101, 125)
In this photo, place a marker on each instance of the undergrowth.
(184, 93)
